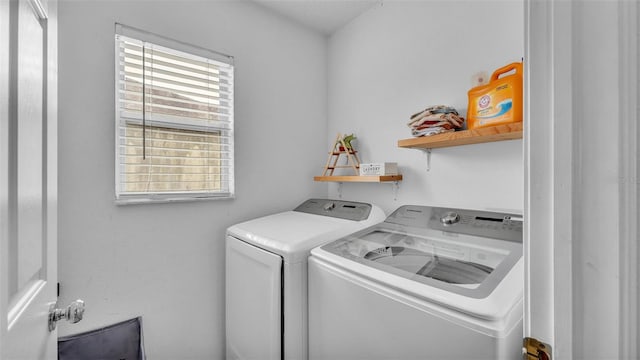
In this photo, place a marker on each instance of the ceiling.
(325, 16)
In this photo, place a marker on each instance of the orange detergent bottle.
(498, 102)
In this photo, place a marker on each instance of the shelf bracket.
(396, 187)
(427, 153)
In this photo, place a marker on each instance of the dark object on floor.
(121, 341)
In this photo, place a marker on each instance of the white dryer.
(427, 283)
(266, 275)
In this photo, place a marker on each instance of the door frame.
(4, 164)
(554, 138)
(548, 157)
(630, 216)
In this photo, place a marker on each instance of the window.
(174, 120)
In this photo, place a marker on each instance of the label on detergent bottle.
(494, 106)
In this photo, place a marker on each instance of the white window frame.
(226, 127)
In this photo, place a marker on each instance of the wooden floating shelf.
(382, 178)
(466, 137)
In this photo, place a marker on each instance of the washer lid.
(428, 264)
(467, 265)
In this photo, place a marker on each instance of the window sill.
(138, 200)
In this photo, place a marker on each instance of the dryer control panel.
(348, 210)
(504, 226)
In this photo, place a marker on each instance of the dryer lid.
(292, 234)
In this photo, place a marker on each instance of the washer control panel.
(504, 226)
(348, 210)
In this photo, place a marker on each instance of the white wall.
(404, 56)
(165, 261)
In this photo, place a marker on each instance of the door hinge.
(533, 349)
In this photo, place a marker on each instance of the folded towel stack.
(435, 120)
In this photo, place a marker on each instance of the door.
(28, 170)
(253, 302)
(581, 206)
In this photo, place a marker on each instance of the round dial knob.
(329, 206)
(450, 218)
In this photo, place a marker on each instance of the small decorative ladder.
(340, 148)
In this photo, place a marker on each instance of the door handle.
(72, 313)
(534, 349)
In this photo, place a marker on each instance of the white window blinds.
(174, 120)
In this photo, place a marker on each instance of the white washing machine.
(266, 275)
(427, 283)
